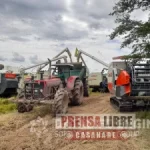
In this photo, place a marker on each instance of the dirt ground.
(16, 132)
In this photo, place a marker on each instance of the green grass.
(90, 91)
(143, 114)
(6, 106)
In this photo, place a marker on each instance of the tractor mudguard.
(70, 82)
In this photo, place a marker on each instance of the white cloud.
(37, 30)
(2, 58)
(35, 59)
(17, 57)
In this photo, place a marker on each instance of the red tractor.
(65, 84)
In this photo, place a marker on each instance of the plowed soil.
(16, 132)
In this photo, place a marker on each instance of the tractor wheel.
(21, 107)
(61, 101)
(103, 89)
(86, 89)
(78, 93)
(29, 107)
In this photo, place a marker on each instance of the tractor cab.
(65, 70)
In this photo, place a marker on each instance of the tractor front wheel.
(22, 107)
(78, 93)
(61, 101)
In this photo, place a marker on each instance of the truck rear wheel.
(61, 101)
(78, 93)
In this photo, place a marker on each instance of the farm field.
(15, 130)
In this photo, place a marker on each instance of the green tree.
(135, 33)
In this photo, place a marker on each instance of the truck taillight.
(10, 75)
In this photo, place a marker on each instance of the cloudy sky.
(33, 30)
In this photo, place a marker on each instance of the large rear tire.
(86, 89)
(78, 93)
(61, 101)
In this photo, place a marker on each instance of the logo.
(102, 121)
(97, 126)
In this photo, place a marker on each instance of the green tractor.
(66, 84)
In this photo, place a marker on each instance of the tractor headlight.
(41, 90)
(35, 91)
